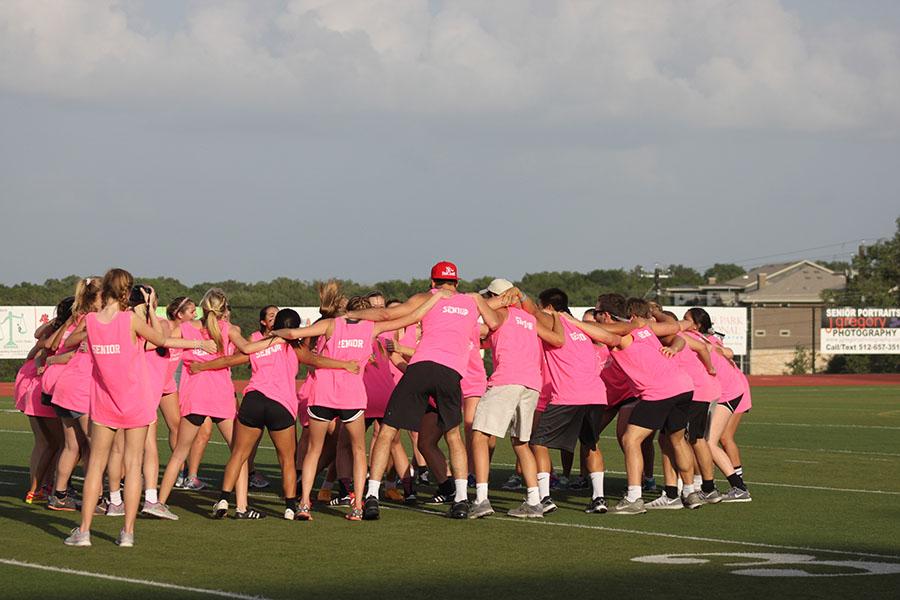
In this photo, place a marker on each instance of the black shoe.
(410, 499)
(371, 510)
(459, 510)
(597, 505)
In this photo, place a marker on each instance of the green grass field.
(823, 465)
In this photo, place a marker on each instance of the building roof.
(801, 282)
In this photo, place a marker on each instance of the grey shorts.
(506, 409)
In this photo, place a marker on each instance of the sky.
(368, 139)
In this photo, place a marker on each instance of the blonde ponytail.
(214, 304)
(331, 299)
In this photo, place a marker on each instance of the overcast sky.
(367, 139)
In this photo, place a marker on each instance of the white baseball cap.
(497, 286)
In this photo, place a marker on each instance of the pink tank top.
(274, 374)
(208, 393)
(474, 381)
(655, 377)
(516, 350)
(73, 389)
(619, 387)
(52, 372)
(706, 386)
(119, 394)
(157, 369)
(731, 380)
(410, 339)
(308, 387)
(27, 388)
(171, 385)
(378, 379)
(573, 370)
(446, 333)
(338, 388)
(746, 402)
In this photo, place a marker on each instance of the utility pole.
(657, 275)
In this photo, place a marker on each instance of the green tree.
(723, 272)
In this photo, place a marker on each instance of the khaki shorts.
(506, 409)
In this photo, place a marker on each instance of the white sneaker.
(220, 509)
(289, 514)
(125, 540)
(78, 538)
(665, 503)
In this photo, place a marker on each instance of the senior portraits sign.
(849, 330)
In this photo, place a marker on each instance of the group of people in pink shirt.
(104, 367)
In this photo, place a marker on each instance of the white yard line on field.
(813, 425)
(764, 483)
(143, 582)
(676, 536)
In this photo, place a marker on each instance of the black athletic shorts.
(668, 416)
(409, 400)
(698, 421)
(371, 420)
(65, 413)
(562, 426)
(259, 411)
(47, 399)
(325, 413)
(197, 420)
(732, 405)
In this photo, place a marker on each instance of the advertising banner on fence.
(849, 330)
(17, 327)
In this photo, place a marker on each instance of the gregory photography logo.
(759, 564)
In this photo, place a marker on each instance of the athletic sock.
(462, 493)
(597, 484)
(407, 485)
(151, 496)
(737, 481)
(226, 496)
(671, 492)
(115, 497)
(687, 490)
(481, 492)
(708, 485)
(345, 486)
(447, 488)
(60, 494)
(291, 503)
(739, 470)
(372, 490)
(532, 496)
(634, 493)
(543, 484)
(698, 481)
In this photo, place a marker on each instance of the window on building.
(784, 332)
(760, 333)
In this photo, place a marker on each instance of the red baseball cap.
(444, 270)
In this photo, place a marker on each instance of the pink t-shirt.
(619, 387)
(52, 372)
(274, 374)
(119, 395)
(446, 333)
(378, 379)
(410, 339)
(208, 393)
(338, 388)
(546, 386)
(572, 369)
(655, 377)
(73, 388)
(157, 369)
(730, 378)
(516, 350)
(474, 381)
(706, 386)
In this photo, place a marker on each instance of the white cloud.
(706, 63)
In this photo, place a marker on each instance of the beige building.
(785, 304)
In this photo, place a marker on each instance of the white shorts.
(506, 409)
